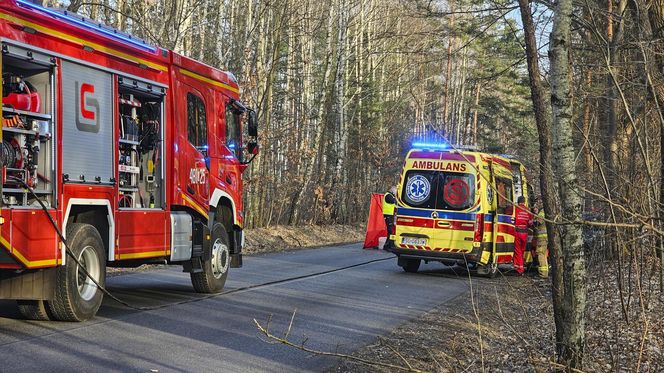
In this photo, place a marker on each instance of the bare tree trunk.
(448, 76)
(203, 28)
(547, 183)
(107, 11)
(460, 117)
(94, 11)
(609, 122)
(338, 189)
(656, 16)
(610, 125)
(122, 19)
(475, 112)
(316, 147)
(587, 146)
(574, 271)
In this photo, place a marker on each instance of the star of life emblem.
(418, 189)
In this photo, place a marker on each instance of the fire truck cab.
(132, 152)
(456, 206)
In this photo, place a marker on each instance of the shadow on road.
(9, 310)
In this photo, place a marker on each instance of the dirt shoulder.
(507, 326)
(283, 238)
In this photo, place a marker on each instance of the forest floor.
(507, 326)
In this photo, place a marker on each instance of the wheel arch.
(96, 212)
(222, 203)
(224, 210)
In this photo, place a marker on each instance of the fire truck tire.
(77, 298)
(215, 270)
(34, 310)
(411, 265)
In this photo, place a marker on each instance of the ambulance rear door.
(443, 199)
(503, 221)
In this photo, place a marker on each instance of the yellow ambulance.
(456, 207)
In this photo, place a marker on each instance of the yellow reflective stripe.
(24, 260)
(148, 254)
(210, 81)
(83, 42)
(195, 205)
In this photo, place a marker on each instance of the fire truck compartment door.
(87, 128)
(181, 232)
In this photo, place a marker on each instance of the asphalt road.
(339, 311)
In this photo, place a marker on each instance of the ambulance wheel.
(34, 310)
(215, 270)
(411, 265)
(77, 297)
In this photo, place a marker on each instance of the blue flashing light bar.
(95, 27)
(432, 146)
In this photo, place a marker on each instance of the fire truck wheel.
(77, 298)
(215, 270)
(411, 265)
(34, 310)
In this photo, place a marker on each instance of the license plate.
(413, 241)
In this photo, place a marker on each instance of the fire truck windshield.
(439, 190)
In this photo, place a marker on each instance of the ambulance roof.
(459, 155)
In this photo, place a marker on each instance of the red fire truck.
(116, 153)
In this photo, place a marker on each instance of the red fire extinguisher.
(20, 94)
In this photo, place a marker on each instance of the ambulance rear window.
(439, 190)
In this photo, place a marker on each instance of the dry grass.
(281, 238)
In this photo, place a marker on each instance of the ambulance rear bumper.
(429, 255)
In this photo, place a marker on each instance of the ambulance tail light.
(479, 228)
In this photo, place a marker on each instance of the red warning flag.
(376, 227)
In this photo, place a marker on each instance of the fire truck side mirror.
(252, 148)
(252, 125)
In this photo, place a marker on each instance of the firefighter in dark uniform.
(523, 219)
(389, 202)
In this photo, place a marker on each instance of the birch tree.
(571, 347)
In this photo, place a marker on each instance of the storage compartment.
(140, 166)
(26, 153)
